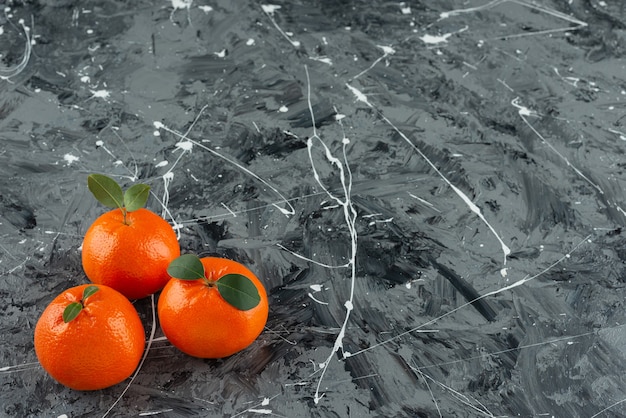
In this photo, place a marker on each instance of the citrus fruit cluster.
(91, 337)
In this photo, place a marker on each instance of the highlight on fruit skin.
(213, 307)
(89, 337)
(128, 247)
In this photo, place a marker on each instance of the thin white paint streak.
(387, 50)
(350, 217)
(316, 300)
(495, 292)
(523, 113)
(361, 97)
(301, 257)
(7, 73)
(424, 376)
(133, 173)
(284, 211)
(323, 59)
(622, 135)
(608, 408)
(269, 10)
(256, 410)
(480, 408)
(531, 5)
(151, 413)
(426, 202)
(504, 84)
(228, 209)
(143, 359)
(20, 367)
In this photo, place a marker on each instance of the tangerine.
(130, 251)
(198, 316)
(89, 337)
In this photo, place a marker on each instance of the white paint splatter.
(431, 39)
(184, 145)
(101, 94)
(70, 158)
(387, 50)
(270, 8)
(359, 96)
(181, 4)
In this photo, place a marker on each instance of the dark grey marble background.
(431, 191)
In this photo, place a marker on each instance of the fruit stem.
(124, 212)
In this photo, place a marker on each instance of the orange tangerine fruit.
(214, 307)
(129, 247)
(89, 337)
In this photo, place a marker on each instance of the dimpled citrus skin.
(131, 258)
(99, 348)
(198, 321)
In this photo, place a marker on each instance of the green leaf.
(106, 190)
(136, 197)
(186, 267)
(71, 311)
(89, 290)
(239, 291)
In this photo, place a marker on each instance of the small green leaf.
(239, 291)
(106, 190)
(186, 267)
(136, 197)
(89, 290)
(71, 311)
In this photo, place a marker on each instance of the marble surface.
(431, 191)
